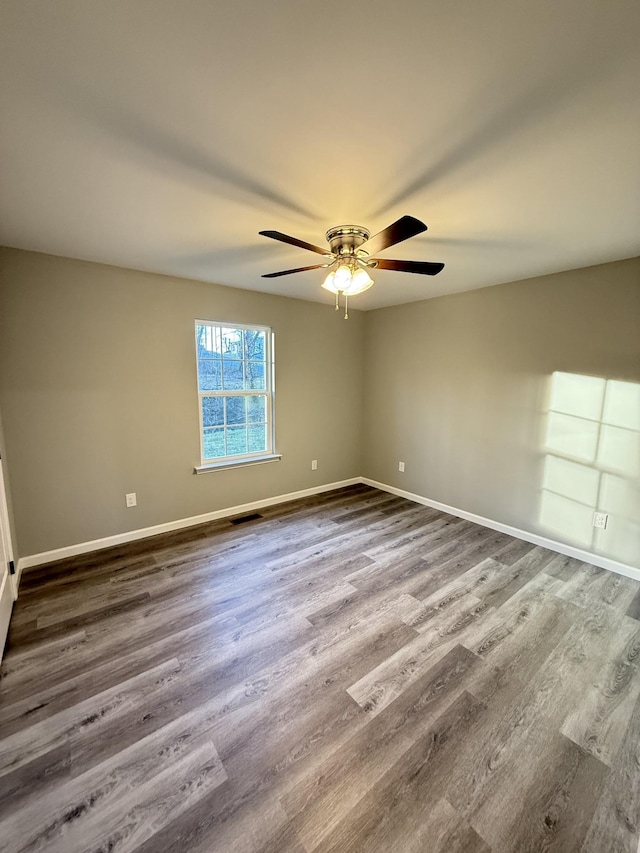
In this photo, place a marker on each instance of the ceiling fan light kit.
(349, 259)
(348, 281)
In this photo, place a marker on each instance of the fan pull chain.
(337, 301)
(346, 307)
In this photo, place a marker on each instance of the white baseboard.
(142, 533)
(168, 526)
(534, 538)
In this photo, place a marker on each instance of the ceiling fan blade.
(298, 269)
(293, 241)
(402, 229)
(420, 267)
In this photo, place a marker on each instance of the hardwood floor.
(349, 672)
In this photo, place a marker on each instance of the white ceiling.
(164, 134)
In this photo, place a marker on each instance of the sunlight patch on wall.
(622, 405)
(592, 464)
(570, 479)
(620, 498)
(574, 437)
(577, 395)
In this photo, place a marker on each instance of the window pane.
(254, 371)
(212, 411)
(214, 443)
(233, 379)
(208, 341)
(236, 440)
(257, 438)
(236, 410)
(232, 343)
(209, 375)
(254, 345)
(257, 409)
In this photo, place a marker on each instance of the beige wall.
(459, 388)
(98, 397)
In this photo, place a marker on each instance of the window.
(235, 389)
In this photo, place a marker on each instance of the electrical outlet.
(131, 499)
(600, 520)
(401, 467)
(314, 464)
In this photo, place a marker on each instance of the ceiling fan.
(349, 258)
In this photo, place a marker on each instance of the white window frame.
(235, 460)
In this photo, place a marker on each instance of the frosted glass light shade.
(329, 283)
(342, 277)
(360, 282)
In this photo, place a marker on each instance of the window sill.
(241, 463)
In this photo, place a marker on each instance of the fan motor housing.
(345, 239)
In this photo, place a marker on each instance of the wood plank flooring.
(349, 672)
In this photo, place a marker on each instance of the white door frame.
(8, 580)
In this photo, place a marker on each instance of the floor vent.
(241, 519)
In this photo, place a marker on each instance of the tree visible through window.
(235, 391)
